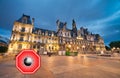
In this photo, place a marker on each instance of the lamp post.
(113, 49)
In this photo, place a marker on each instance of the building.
(26, 36)
(4, 41)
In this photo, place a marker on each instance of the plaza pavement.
(81, 66)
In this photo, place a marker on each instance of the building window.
(52, 48)
(21, 34)
(38, 46)
(15, 28)
(52, 33)
(23, 29)
(46, 33)
(13, 36)
(24, 20)
(21, 39)
(29, 30)
(20, 46)
(38, 37)
(43, 34)
(49, 48)
(34, 46)
(39, 32)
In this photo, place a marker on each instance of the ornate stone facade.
(26, 36)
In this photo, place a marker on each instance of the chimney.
(33, 21)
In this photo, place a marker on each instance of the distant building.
(26, 36)
(4, 41)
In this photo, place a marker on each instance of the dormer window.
(24, 20)
(42, 33)
(46, 33)
(39, 32)
(52, 33)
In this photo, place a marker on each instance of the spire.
(33, 19)
(73, 21)
(73, 24)
(58, 24)
(64, 27)
(74, 28)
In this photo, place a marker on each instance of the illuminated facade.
(26, 36)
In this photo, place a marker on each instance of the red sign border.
(20, 68)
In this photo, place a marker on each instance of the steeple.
(73, 24)
(58, 24)
(74, 28)
(64, 27)
(33, 20)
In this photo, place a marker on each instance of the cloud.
(110, 18)
(99, 16)
(5, 33)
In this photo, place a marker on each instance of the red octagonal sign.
(28, 61)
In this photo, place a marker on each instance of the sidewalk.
(103, 57)
(43, 73)
(5, 66)
(6, 58)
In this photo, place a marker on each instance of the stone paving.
(82, 66)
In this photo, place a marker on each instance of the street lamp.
(118, 48)
(113, 48)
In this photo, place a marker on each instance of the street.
(81, 66)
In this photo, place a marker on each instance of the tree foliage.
(107, 48)
(3, 49)
(115, 44)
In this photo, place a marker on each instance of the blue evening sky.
(99, 16)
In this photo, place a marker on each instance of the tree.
(115, 44)
(3, 49)
(107, 48)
